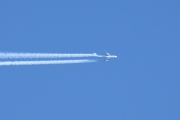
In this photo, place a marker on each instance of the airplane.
(108, 56)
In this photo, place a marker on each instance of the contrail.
(6, 63)
(42, 55)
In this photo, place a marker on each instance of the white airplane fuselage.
(111, 56)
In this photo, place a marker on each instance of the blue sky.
(142, 84)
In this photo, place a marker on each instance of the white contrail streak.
(42, 55)
(5, 63)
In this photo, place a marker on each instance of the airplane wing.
(107, 54)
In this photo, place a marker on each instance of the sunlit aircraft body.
(108, 56)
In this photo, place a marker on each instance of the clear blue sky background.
(142, 84)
